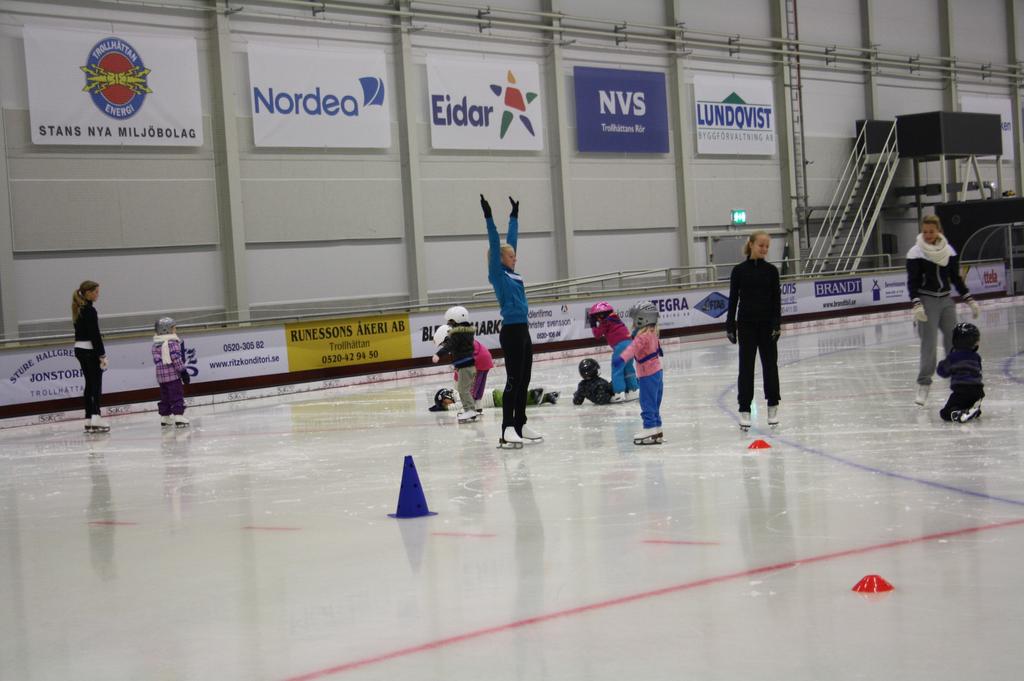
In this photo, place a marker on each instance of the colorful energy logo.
(516, 101)
(116, 78)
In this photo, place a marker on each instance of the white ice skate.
(744, 421)
(922, 395)
(530, 435)
(617, 397)
(649, 436)
(510, 439)
(166, 421)
(181, 422)
(97, 425)
(632, 395)
(773, 416)
(468, 416)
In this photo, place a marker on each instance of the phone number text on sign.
(342, 342)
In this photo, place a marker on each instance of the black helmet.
(966, 336)
(444, 394)
(589, 368)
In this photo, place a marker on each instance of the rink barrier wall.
(334, 353)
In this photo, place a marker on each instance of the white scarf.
(937, 252)
(165, 348)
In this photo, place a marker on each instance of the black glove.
(515, 208)
(485, 206)
(776, 332)
(591, 321)
(731, 335)
(185, 378)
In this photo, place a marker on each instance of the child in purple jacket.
(605, 323)
(170, 365)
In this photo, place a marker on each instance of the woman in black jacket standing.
(754, 288)
(89, 351)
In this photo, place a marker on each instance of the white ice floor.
(256, 545)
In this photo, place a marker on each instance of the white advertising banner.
(994, 105)
(734, 116)
(54, 373)
(99, 88)
(307, 97)
(494, 104)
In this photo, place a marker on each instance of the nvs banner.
(318, 98)
(88, 87)
(484, 105)
(620, 111)
(734, 116)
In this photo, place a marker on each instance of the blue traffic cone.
(411, 502)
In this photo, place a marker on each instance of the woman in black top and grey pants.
(89, 351)
(754, 288)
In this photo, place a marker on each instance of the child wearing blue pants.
(605, 323)
(646, 349)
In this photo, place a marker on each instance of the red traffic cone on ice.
(872, 584)
(759, 444)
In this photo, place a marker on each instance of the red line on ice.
(632, 598)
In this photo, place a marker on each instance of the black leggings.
(90, 362)
(518, 349)
(756, 338)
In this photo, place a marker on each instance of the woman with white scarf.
(932, 269)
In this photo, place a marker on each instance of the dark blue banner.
(619, 110)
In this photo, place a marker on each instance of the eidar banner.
(102, 88)
(734, 116)
(307, 97)
(494, 104)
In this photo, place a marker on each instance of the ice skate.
(180, 421)
(468, 416)
(773, 416)
(632, 395)
(97, 425)
(649, 436)
(550, 397)
(530, 435)
(967, 414)
(510, 439)
(166, 421)
(744, 421)
(922, 395)
(617, 397)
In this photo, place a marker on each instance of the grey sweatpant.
(467, 377)
(941, 314)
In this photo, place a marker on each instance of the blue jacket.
(508, 286)
(962, 367)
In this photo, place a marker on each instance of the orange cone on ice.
(759, 444)
(872, 584)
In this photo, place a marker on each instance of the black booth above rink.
(949, 134)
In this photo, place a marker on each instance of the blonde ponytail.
(751, 239)
(78, 300)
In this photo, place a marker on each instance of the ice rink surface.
(256, 545)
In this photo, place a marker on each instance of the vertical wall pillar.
(950, 94)
(561, 154)
(8, 308)
(682, 127)
(409, 152)
(1014, 56)
(871, 88)
(783, 85)
(229, 171)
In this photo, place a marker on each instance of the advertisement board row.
(50, 373)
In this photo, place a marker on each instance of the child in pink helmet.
(606, 324)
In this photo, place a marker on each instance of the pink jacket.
(482, 356)
(613, 330)
(646, 349)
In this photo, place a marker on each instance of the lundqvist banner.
(318, 98)
(734, 116)
(493, 104)
(99, 88)
(620, 111)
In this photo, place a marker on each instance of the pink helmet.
(598, 308)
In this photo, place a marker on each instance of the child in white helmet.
(458, 342)
(646, 349)
(168, 356)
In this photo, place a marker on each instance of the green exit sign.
(739, 216)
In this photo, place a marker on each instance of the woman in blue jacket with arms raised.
(515, 328)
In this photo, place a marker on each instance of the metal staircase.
(847, 227)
